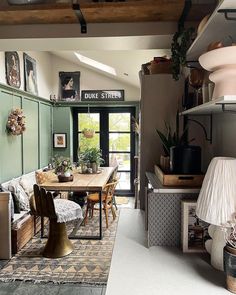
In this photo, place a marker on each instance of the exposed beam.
(106, 12)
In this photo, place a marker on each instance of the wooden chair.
(107, 201)
(112, 179)
(58, 211)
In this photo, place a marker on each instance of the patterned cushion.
(67, 210)
(20, 194)
(41, 177)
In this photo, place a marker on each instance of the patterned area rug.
(122, 200)
(88, 264)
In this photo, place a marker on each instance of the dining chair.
(114, 177)
(58, 211)
(107, 202)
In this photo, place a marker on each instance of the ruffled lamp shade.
(217, 199)
(216, 203)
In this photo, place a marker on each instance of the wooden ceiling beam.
(103, 12)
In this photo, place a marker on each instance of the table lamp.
(216, 203)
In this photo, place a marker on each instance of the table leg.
(97, 237)
(100, 215)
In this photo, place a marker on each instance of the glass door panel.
(88, 121)
(113, 135)
(119, 142)
(119, 121)
(120, 147)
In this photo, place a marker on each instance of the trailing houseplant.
(88, 132)
(179, 46)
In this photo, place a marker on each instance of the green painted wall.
(62, 123)
(32, 150)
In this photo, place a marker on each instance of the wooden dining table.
(83, 183)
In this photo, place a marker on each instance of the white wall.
(43, 71)
(90, 79)
(48, 67)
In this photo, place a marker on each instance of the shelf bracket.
(224, 110)
(227, 12)
(78, 12)
(203, 127)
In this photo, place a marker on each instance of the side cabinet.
(163, 214)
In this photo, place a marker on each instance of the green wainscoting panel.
(62, 123)
(30, 136)
(45, 132)
(10, 145)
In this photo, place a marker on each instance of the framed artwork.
(194, 231)
(69, 86)
(59, 140)
(12, 64)
(30, 74)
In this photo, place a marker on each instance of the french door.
(113, 135)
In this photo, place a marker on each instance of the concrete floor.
(136, 269)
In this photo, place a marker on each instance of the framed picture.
(30, 74)
(194, 231)
(12, 63)
(59, 140)
(69, 86)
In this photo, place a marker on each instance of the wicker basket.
(160, 67)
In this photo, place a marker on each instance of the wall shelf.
(213, 106)
(216, 29)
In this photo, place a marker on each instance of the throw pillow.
(27, 182)
(41, 177)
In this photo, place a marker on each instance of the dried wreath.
(16, 122)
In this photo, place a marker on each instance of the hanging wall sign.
(102, 95)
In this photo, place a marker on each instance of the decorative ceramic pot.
(185, 159)
(229, 268)
(63, 178)
(165, 163)
(94, 167)
(222, 63)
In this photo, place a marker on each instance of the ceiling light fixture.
(95, 64)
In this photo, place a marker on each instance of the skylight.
(95, 64)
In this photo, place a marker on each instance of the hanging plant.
(16, 122)
(179, 46)
(88, 133)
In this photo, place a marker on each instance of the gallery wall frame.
(194, 231)
(59, 140)
(69, 86)
(30, 74)
(12, 65)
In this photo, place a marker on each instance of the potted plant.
(179, 46)
(63, 168)
(88, 133)
(170, 139)
(90, 158)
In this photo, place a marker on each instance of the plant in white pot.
(63, 168)
(90, 158)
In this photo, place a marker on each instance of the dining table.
(82, 182)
